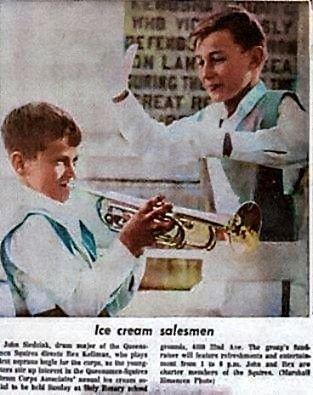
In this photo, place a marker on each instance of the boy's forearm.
(280, 146)
(66, 279)
(136, 126)
(96, 285)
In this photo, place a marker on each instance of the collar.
(24, 199)
(33, 200)
(64, 213)
(21, 200)
(247, 103)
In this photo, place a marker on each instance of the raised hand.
(115, 86)
(128, 62)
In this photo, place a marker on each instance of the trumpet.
(192, 228)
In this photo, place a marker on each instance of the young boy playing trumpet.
(50, 258)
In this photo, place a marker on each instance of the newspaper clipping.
(154, 233)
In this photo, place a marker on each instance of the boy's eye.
(212, 59)
(60, 168)
(217, 58)
(61, 164)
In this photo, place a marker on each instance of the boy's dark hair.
(30, 128)
(244, 27)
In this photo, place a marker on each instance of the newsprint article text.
(157, 356)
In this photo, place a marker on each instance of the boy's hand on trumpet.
(149, 221)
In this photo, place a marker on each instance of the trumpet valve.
(187, 223)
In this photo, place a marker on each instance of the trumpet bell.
(251, 217)
(245, 226)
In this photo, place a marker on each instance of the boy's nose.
(207, 71)
(70, 172)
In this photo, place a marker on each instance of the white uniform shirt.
(187, 140)
(284, 146)
(51, 275)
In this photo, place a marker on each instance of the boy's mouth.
(213, 87)
(64, 184)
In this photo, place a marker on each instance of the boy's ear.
(258, 56)
(18, 162)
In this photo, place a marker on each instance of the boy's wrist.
(120, 96)
(130, 245)
(227, 145)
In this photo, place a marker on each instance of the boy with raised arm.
(50, 258)
(255, 139)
